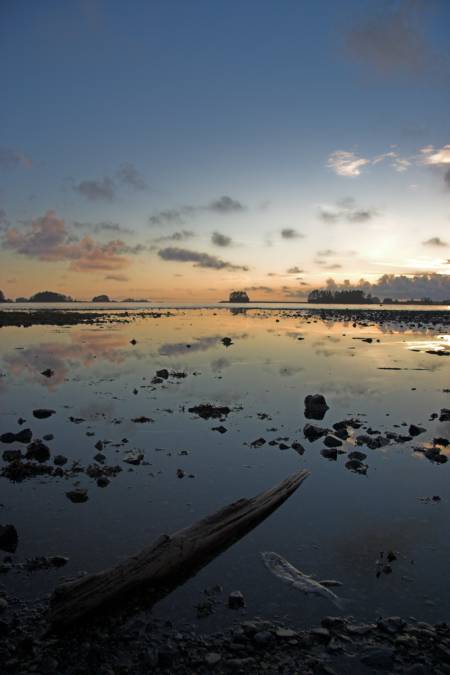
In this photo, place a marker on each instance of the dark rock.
(163, 373)
(298, 447)
(444, 415)
(329, 453)
(99, 445)
(48, 437)
(227, 341)
(312, 433)
(38, 451)
(8, 538)
(332, 442)
(355, 454)
(43, 413)
(77, 496)
(59, 460)
(8, 437)
(207, 411)
(24, 436)
(48, 373)
(12, 455)
(356, 466)
(315, 406)
(221, 429)
(415, 430)
(258, 443)
(379, 657)
(102, 481)
(236, 600)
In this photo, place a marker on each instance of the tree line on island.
(52, 296)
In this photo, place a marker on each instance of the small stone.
(163, 373)
(48, 372)
(8, 538)
(39, 451)
(102, 481)
(43, 413)
(285, 633)
(59, 460)
(236, 600)
(77, 496)
(211, 658)
(332, 442)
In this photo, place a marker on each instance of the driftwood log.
(170, 560)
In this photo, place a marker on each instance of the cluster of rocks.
(139, 645)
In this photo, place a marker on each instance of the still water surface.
(334, 527)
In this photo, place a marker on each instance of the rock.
(163, 373)
(180, 473)
(312, 433)
(444, 415)
(24, 436)
(48, 372)
(236, 600)
(415, 430)
(379, 657)
(8, 437)
(100, 457)
(99, 446)
(332, 442)
(211, 658)
(329, 453)
(59, 460)
(221, 429)
(38, 451)
(355, 454)
(315, 406)
(258, 443)
(133, 457)
(77, 496)
(207, 411)
(133, 342)
(227, 341)
(263, 637)
(285, 633)
(48, 437)
(12, 455)
(43, 413)
(102, 481)
(8, 538)
(356, 466)
(298, 447)
(142, 420)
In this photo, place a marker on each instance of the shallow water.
(337, 523)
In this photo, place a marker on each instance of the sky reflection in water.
(334, 527)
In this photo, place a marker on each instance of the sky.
(176, 150)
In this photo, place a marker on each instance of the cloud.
(328, 266)
(346, 210)
(402, 287)
(222, 240)
(10, 159)
(167, 217)
(181, 235)
(393, 39)
(435, 241)
(48, 239)
(117, 277)
(436, 157)
(97, 189)
(263, 289)
(290, 233)
(104, 226)
(203, 260)
(130, 176)
(326, 253)
(294, 270)
(447, 179)
(226, 204)
(346, 163)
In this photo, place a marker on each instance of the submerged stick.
(170, 558)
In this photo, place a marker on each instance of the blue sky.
(113, 113)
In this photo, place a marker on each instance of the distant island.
(357, 297)
(238, 296)
(100, 298)
(47, 296)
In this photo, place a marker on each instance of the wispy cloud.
(179, 235)
(10, 158)
(226, 204)
(130, 176)
(97, 189)
(346, 210)
(435, 241)
(221, 240)
(294, 270)
(393, 39)
(346, 163)
(199, 259)
(290, 233)
(104, 226)
(117, 277)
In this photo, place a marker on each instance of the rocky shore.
(118, 645)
